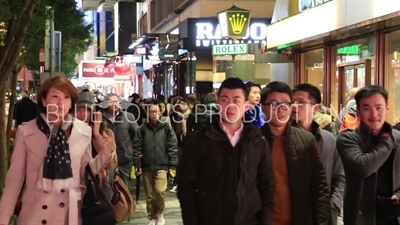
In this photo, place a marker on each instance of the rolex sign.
(237, 24)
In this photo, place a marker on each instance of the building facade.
(195, 69)
(337, 47)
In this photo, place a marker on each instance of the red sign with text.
(97, 70)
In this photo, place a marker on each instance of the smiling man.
(370, 156)
(302, 192)
(226, 174)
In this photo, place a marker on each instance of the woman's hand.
(106, 142)
(97, 119)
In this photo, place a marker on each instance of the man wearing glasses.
(157, 142)
(302, 192)
(306, 102)
(124, 126)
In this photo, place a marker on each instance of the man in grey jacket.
(307, 101)
(158, 144)
(124, 126)
(371, 156)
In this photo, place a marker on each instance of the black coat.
(25, 110)
(220, 184)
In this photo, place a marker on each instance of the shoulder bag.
(122, 201)
(95, 208)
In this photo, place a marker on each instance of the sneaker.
(160, 219)
(174, 189)
(152, 222)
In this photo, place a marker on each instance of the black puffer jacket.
(158, 145)
(224, 185)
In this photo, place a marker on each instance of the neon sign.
(208, 34)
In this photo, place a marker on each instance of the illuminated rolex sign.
(234, 22)
(205, 32)
(233, 49)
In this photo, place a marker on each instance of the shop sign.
(234, 49)
(97, 70)
(208, 34)
(349, 50)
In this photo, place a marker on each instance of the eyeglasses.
(280, 105)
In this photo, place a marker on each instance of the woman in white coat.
(50, 155)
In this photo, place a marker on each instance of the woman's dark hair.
(165, 113)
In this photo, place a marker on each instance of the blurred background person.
(25, 109)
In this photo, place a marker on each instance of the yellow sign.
(237, 22)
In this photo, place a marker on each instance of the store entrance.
(353, 74)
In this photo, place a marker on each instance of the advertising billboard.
(96, 69)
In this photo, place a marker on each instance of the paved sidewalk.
(172, 213)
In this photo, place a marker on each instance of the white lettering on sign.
(207, 34)
(98, 70)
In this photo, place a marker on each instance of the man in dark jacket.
(226, 174)
(302, 191)
(25, 110)
(157, 142)
(307, 101)
(255, 112)
(371, 156)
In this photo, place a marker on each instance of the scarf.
(57, 171)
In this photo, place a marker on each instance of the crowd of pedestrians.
(245, 155)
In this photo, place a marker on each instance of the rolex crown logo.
(237, 22)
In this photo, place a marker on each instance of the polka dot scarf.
(57, 171)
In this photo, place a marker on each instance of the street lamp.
(234, 23)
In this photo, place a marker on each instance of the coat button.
(359, 212)
(44, 222)
(44, 207)
(62, 204)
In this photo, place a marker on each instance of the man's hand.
(394, 197)
(138, 171)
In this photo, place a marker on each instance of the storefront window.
(357, 61)
(392, 75)
(313, 68)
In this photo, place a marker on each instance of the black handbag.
(95, 207)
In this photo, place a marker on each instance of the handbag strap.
(91, 181)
